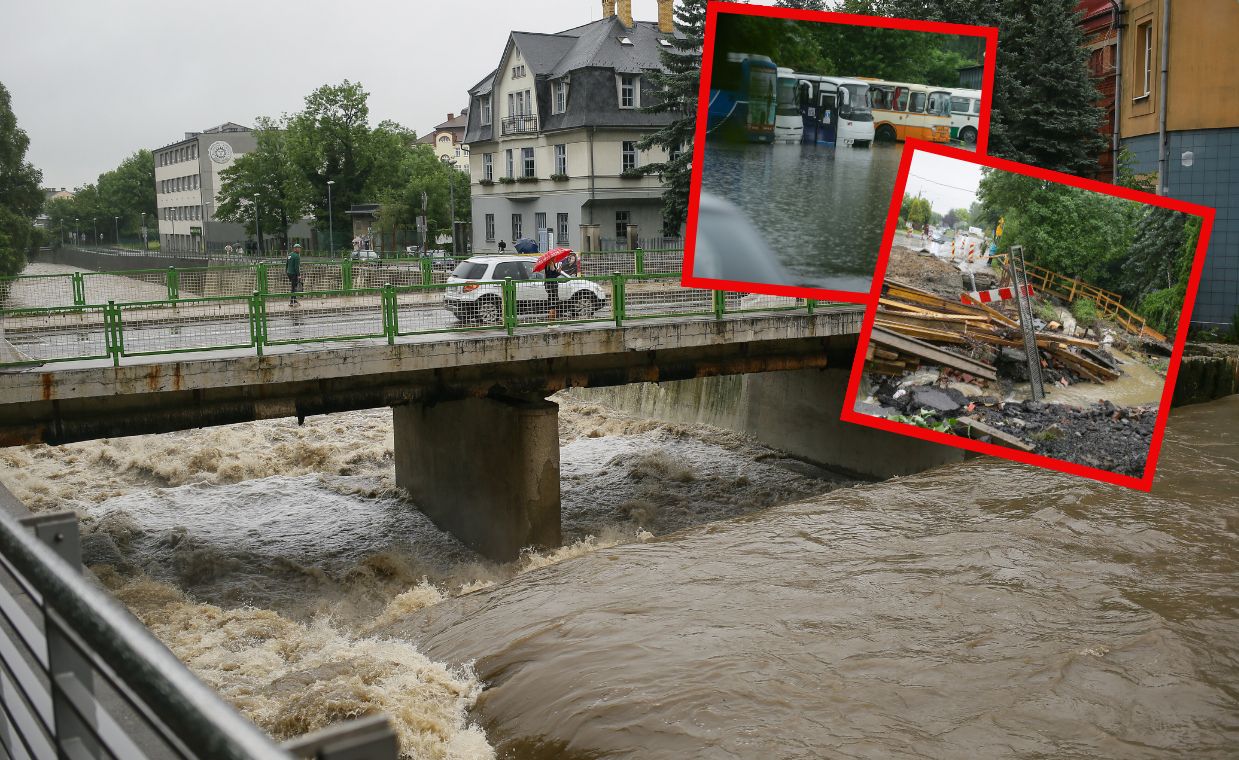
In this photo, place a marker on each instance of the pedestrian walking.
(551, 273)
(503, 247)
(293, 269)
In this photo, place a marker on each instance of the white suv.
(481, 300)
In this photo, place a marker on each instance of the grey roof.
(598, 45)
(541, 51)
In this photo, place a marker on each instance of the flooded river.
(717, 598)
(821, 209)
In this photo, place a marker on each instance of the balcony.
(519, 125)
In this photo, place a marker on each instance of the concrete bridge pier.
(485, 470)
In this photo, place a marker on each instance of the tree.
(811, 5)
(920, 212)
(676, 86)
(127, 191)
(20, 196)
(266, 177)
(421, 171)
(1043, 104)
(955, 216)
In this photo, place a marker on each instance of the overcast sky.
(947, 182)
(93, 81)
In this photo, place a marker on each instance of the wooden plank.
(975, 427)
(930, 353)
(924, 333)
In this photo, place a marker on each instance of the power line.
(936, 182)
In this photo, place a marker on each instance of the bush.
(632, 174)
(1047, 311)
(486, 182)
(1161, 308)
(1084, 310)
(526, 179)
(506, 180)
(559, 177)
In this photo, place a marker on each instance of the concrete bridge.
(469, 397)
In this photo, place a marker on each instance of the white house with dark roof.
(552, 132)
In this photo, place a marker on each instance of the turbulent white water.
(265, 554)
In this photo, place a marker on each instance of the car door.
(529, 295)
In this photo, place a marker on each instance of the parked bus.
(787, 122)
(835, 110)
(742, 98)
(903, 110)
(965, 115)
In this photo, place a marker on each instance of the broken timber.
(909, 345)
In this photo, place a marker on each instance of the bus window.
(960, 105)
(918, 103)
(976, 106)
(939, 104)
(879, 98)
(901, 99)
(787, 97)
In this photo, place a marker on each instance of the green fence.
(260, 320)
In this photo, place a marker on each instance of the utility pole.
(95, 224)
(258, 223)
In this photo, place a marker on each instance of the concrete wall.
(1204, 378)
(796, 412)
(102, 262)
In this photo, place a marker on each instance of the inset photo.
(802, 118)
(1028, 314)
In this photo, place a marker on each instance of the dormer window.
(485, 110)
(518, 71)
(561, 95)
(629, 92)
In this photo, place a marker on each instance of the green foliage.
(420, 171)
(20, 196)
(924, 419)
(1046, 311)
(264, 178)
(1043, 108)
(1127, 177)
(955, 216)
(676, 87)
(919, 211)
(1085, 311)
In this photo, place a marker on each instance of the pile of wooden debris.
(977, 340)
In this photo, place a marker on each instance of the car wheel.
(490, 311)
(582, 305)
(968, 135)
(885, 133)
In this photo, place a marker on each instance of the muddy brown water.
(984, 610)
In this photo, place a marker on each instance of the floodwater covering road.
(821, 209)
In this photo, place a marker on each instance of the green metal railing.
(173, 283)
(261, 320)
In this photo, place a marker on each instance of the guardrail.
(258, 321)
(173, 283)
(80, 677)
(1108, 303)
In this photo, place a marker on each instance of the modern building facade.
(186, 186)
(448, 140)
(553, 133)
(1186, 133)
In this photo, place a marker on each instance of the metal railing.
(244, 278)
(80, 677)
(263, 320)
(519, 125)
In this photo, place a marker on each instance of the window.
(901, 100)
(628, 91)
(527, 165)
(471, 270)
(539, 222)
(960, 105)
(508, 159)
(629, 155)
(511, 104)
(561, 159)
(675, 152)
(488, 168)
(918, 103)
(514, 269)
(561, 96)
(490, 228)
(518, 71)
(516, 227)
(1144, 37)
(485, 110)
(561, 228)
(445, 138)
(621, 225)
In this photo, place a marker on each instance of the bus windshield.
(940, 103)
(855, 102)
(918, 102)
(787, 98)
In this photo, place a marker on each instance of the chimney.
(666, 16)
(608, 8)
(625, 13)
(450, 116)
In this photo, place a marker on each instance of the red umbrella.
(555, 254)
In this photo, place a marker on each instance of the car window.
(514, 269)
(470, 270)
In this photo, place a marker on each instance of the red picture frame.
(1143, 483)
(713, 9)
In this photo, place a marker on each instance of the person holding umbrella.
(548, 263)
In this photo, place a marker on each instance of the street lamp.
(451, 190)
(331, 230)
(258, 223)
(145, 245)
(95, 224)
(116, 229)
(77, 230)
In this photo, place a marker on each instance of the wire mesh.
(138, 286)
(217, 281)
(36, 291)
(314, 278)
(323, 316)
(564, 300)
(448, 308)
(48, 335)
(601, 263)
(664, 261)
(652, 296)
(189, 325)
(735, 302)
(378, 274)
